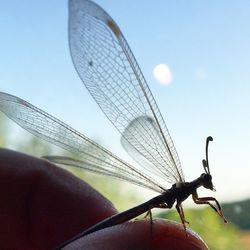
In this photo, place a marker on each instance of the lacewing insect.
(108, 69)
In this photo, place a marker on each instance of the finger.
(43, 205)
(138, 235)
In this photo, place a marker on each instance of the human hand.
(43, 205)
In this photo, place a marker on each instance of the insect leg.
(149, 213)
(205, 200)
(181, 214)
(163, 205)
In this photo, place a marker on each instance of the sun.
(163, 74)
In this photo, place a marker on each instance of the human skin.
(43, 205)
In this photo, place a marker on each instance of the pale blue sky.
(206, 44)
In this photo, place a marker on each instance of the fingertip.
(140, 235)
(171, 233)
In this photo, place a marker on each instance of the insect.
(108, 69)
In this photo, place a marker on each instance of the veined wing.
(93, 157)
(110, 72)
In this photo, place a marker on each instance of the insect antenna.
(205, 162)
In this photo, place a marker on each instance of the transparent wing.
(93, 157)
(110, 72)
(148, 147)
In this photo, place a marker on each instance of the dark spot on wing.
(113, 27)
